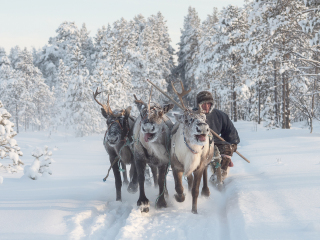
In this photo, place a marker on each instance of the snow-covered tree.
(155, 56)
(32, 171)
(188, 50)
(87, 47)
(60, 94)
(81, 114)
(46, 161)
(9, 148)
(14, 56)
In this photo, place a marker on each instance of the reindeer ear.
(140, 106)
(127, 111)
(103, 112)
(166, 108)
(179, 118)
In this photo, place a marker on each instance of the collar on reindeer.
(185, 141)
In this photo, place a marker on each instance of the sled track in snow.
(123, 220)
(102, 222)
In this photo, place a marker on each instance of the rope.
(114, 161)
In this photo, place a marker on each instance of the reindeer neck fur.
(191, 161)
(158, 147)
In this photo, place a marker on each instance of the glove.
(234, 147)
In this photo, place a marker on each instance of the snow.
(276, 196)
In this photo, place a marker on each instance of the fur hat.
(205, 97)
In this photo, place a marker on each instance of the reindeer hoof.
(179, 197)
(205, 192)
(194, 211)
(144, 201)
(144, 205)
(166, 194)
(144, 209)
(132, 188)
(125, 182)
(220, 186)
(161, 204)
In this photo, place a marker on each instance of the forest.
(260, 61)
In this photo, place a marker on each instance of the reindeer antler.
(107, 107)
(182, 94)
(139, 101)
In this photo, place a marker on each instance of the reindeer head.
(195, 127)
(194, 123)
(151, 118)
(117, 121)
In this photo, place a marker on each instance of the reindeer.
(151, 133)
(120, 130)
(191, 151)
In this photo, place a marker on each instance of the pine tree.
(45, 162)
(14, 56)
(9, 148)
(155, 56)
(60, 94)
(188, 50)
(87, 47)
(81, 114)
(12, 88)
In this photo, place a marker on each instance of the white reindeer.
(191, 151)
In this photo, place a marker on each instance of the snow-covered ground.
(276, 196)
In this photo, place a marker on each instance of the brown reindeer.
(120, 130)
(151, 146)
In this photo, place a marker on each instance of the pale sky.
(30, 23)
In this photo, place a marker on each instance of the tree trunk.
(259, 102)
(231, 107)
(313, 99)
(17, 118)
(287, 105)
(234, 100)
(283, 102)
(276, 114)
(25, 122)
(249, 108)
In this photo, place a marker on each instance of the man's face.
(206, 107)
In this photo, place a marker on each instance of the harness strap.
(185, 141)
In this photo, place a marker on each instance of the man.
(220, 123)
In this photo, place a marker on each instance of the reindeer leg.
(133, 185)
(154, 171)
(117, 177)
(132, 170)
(166, 193)
(195, 189)
(162, 175)
(190, 182)
(205, 189)
(124, 174)
(143, 200)
(179, 196)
